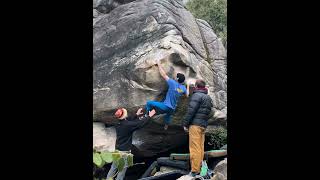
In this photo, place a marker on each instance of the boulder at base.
(165, 169)
(104, 139)
(148, 141)
(153, 140)
(220, 170)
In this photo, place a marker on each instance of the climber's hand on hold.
(191, 82)
(152, 113)
(162, 71)
(188, 81)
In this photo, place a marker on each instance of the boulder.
(104, 139)
(185, 1)
(217, 56)
(219, 118)
(165, 169)
(220, 170)
(152, 140)
(96, 13)
(129, 40)
(105, 6)
(218, 176)
(215, 49)
(148, 141)
(186, 177)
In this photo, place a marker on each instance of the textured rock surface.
(148, 141)
(165, 169)
(152, 140)
(105, 6)
(217, 55)
(129, 39)
(185, 1)
(104, 139)
(186, 177)
(220, 170)
(218, 176)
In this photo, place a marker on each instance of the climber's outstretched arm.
(188, 89)
(162, 72)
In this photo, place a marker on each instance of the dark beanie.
(180, 78)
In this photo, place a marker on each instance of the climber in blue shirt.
(175, 90)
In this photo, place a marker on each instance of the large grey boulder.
(104, 139)
(165, 169)
(152, 140)
(130, 38)
(96, 13)
(185, 1)
(218, 58)
(105, 6)
(148, 141)
(220, 170)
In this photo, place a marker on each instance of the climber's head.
(121, 113)
(180, 78)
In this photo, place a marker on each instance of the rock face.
(218, 59)
(128, 38)
(152, 140)
(185, 1)
(220, 170)
(105, 6)
(104, 139)
(186, 177)
(164, 170)
(148, 141)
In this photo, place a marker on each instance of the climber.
(175, 90)
(124, 129)
(195, 122)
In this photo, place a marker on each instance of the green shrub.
(218, 137)
(102, 158)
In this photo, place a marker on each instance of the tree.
(212, 11)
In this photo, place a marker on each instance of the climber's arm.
(188, 89)
(142, 121)
(162, 72)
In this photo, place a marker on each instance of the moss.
(181, 111)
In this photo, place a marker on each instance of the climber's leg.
(167, 118)
(158, 106)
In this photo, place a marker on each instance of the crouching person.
(124, 129)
